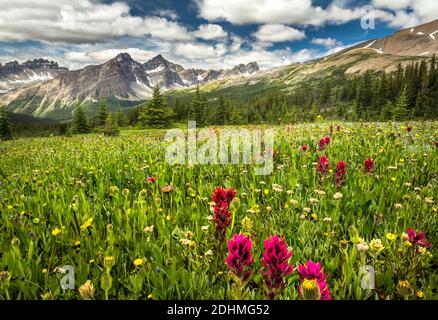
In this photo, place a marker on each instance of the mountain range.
(43, 89)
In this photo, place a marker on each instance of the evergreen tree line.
(104, 121)
(406, 93)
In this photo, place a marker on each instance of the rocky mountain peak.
(123, 58)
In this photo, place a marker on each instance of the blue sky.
(198, 33)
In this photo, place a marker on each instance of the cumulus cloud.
(326, 42)
(195, 50)
(210, 32)
(278, 33)
(294, 12)
(171, 14)
(102, 56)
(80, 21)
(407, 13)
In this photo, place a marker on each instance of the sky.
(211, 34)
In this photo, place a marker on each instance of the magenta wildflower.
(313, 271)
(221, 195)
(222, 216)
(340, 173)
(323, 165)
(151, 180)
(369, 165)
(304, 147)
(239, 257)
(418, 238)
(276, 265)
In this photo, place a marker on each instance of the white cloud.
(326, 42)
(297, 12)
(407, 13)
(80, 21)
(210, 32)
(171, 14)
(278, 33)
(102, 56)
(195, 51)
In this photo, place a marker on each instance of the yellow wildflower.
(87, 224)
(390, 236)
(138, 262)
(56, 232)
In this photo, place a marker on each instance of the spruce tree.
(120, 118)
(236, 116)
(198, 109)
(387, 111)
(221, 111)
(401, 107)
(156, 113)
(102, 114)
(5, 125)
(110, 128)
(80, 122)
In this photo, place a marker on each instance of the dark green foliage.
(155, 113)
(120, 118)
(198, 109)
(102, 114)
(79, 123)
(5, 125)
(110, 128)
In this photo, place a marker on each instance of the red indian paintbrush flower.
(323, 165)
(304, 147)
(409, 129)
(418, 238)
(222, 216)
(239, 257)
(313, 271)
(340, 173)
(369, 165)
(151, 179)
(275, 263)
(323, 142)
(221, 195)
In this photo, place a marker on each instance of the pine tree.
(221, 111)
(401, 107)
(110, 128)
(156, 113)
(80, 122)
(236, 116)
(198, 109)
(102, 114)
(120, 118)
(5, 125)
(387, 111)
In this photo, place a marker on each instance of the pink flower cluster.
(340, 173)
(222, 216)
(323, 165)
(418, 238)
(369, 165)
(323, 142)
(239, 256)
(276, 265)
(313, 271)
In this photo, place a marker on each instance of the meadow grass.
(76, 200)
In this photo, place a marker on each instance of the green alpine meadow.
(202, 158)
(134, 227)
